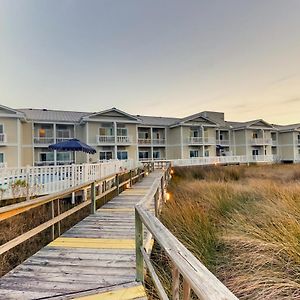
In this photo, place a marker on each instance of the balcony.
(124, 140)
(2, 138)
(223, 142)
(260, 141)
(144, 141)
(158, 141)
(43, 140)
(52, 163)
(105, 139)
(201, 141)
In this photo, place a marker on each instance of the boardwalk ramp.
(95, 259)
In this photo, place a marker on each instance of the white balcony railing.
(223, 142)
(144, 141)
(201, 140)
(105, 139)
(124, 139)
(63, 139)
(158, 141)
(43, 140)
(2, 138)
(261, 141)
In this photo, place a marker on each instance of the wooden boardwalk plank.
(95, 259)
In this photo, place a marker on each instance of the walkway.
(95, 259)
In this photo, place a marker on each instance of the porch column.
(203, 140)
(151, 148)
(54, 137)
(181, 142)
(115, 134)
(264, 146)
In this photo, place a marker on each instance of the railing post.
(118, 183)
(52, 217)
(139, 239)
(156, 203)
(130, 178)
(93, 198)
(175, 283)
(186, 290)
(162, 187)
(58, 213)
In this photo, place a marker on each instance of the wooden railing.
(91, 192)
(195, 275)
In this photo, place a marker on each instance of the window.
(105, 155)
(194, 153)
(122, 132)
(255, 135)
(156, 154)
(206, 153)
(1, 158)
(143, 154)
(63, 133)
(1, 129)
(63, 156)
(47, 156)
(103, 131)
(122, 155)
(194, 132)
(255, 152)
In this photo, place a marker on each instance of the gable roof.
(286, 128)
(109, 113)
(45, 115)
(194, 117)
(259, 123)
(10, 112)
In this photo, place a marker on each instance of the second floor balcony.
(38, 140)
(110, 139)
(158, 141)
(223, 142)
(201, 141)
(261, 141)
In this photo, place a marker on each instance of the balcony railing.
(105, 139)
(52, 162)
(158, 141)
(144, 141)
(274, 142)
(123, 139)
(223, 142)
(43, 140)
(201, 140)
(2, 138)
(260, 141)
(62, 139)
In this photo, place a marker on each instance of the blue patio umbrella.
(73, 145)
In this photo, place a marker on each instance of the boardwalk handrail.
(104, 186)
(195, 275)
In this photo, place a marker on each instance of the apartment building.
(25, 135)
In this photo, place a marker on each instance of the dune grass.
(243, 223)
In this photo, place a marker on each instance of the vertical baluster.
(139, 239)
(58, 213)
(186, 290)
(52, 216)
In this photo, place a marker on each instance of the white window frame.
(144, 151)
(1, 124)
(109, 131)
(49, 152)
(105, 152)
(65, 153)
(122, 152)
(122, 133)
(196, 153)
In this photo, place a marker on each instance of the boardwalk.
(94, 258)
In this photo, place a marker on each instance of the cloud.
(282, 79)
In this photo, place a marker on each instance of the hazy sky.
(154, 57)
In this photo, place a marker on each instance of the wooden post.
(162, 187)
(130, 181)
(93, 198)
(156, 203)
(139, 174)
(139, 239)
(175, 283)
(27, 184)
(186, 290)
(52, 216)
(58, 213)
(118, 183)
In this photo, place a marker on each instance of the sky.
(156, 57)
